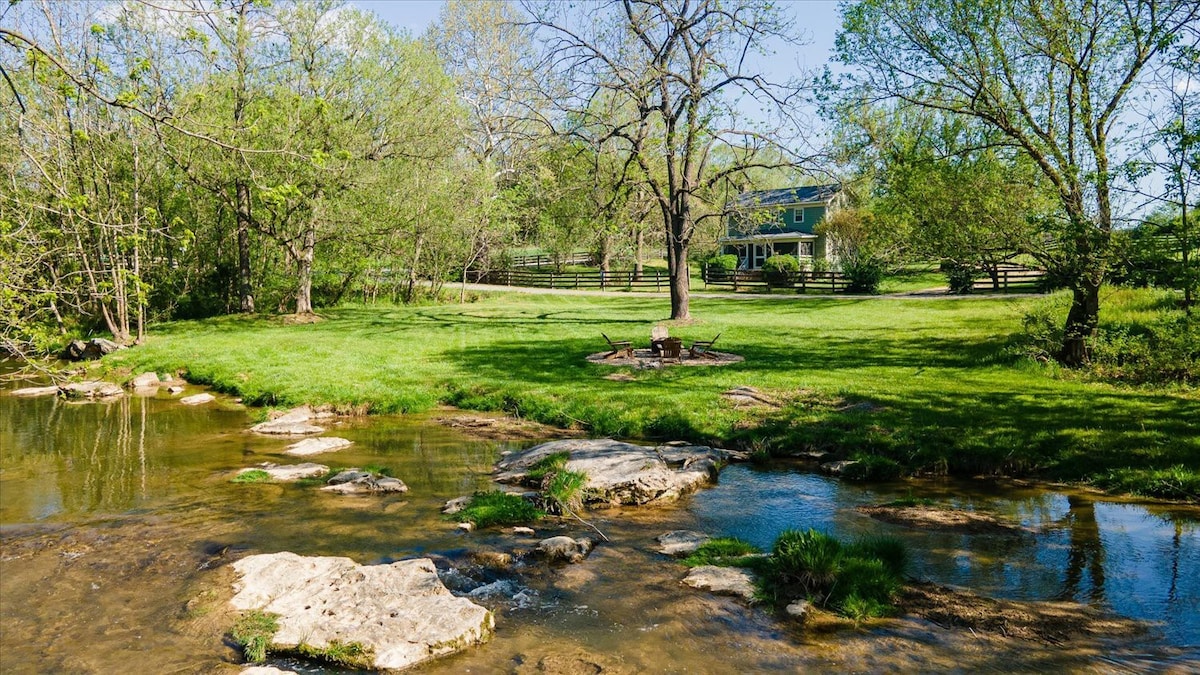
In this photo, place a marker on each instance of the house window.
(798, 215)
(806, 249)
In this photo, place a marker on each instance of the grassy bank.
(926, 384)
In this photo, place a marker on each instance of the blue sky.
(818, 19)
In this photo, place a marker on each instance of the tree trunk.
(1082, 320)
(605, 253)
(678, 269)
(304, 271)
(245, 294)
(637, 256)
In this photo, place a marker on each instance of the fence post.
(577, 280)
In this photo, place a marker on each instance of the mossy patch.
(338, 653)
(498, 508)
(724, 552)
(253, 632)
(252, 476)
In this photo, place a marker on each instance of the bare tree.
(661, 80)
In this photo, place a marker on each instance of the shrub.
(959, 276)
(780, 270)
(863, 274)
(498, 508)
(727, 262)
(1163, 350)
(252, 476)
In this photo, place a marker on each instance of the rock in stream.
(401, 612)
(625, 474)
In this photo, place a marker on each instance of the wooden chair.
(618, 347)
(669, 348)
(701, 348)
(657, 335)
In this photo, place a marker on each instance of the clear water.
(114, 516)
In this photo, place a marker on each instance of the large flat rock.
(722, 580)
(316, 446)
(289, 472)
(626, 474)
(294, 422)
(401, 612)
(92, 389)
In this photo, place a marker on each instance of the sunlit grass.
(928, 384)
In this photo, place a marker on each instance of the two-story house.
(764, 223)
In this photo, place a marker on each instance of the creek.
(118, 518)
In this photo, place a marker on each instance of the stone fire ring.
(643, 358)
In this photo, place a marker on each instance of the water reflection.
(1086, 552)
(64, 462)
(1135, 559)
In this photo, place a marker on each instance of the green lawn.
(925, 383)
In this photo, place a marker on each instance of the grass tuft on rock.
(551, 463)
(253, 632)
(564, 490)
(724, 552)
(252, 476)
(498, 508)
(346, 654)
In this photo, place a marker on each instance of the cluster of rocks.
(79, 350)
(93, 390)
(621, 473)
(403, 613)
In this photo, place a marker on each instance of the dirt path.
(926, 294)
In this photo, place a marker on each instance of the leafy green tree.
(1054, 80)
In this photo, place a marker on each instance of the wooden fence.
(1011, 277)
(653, 280)
(801, 282)
(550, 261)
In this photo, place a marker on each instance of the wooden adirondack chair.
(701, 348)
(618, 347)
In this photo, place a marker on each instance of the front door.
(760, 256)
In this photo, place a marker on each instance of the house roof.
(809, 194)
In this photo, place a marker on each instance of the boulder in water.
(564, 549)
(355, 481)
(289, 472)
(145, 381)
(722, 580)
(91, 390)
(198, 399)
(681, 542)
(625, 474)
(401, 613)
(315, 446)
(294, 422)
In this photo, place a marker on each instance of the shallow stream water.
(117, 520)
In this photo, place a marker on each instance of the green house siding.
(800, 219)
